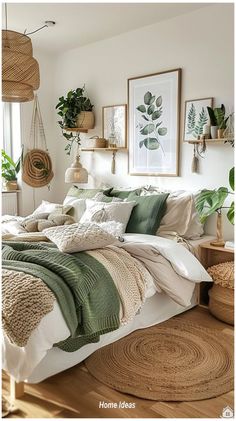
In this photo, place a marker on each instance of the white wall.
(201, 43)
(30, 198)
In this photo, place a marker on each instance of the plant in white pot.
(218, 121)
(10, 170)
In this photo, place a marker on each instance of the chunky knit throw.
(84, 289)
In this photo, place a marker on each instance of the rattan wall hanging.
(37, 165)
(20, 71)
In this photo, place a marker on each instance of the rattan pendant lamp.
(20, 71)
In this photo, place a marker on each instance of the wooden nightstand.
(209, 256)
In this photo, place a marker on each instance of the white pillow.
(100, 197)
(79, 237)
(48, 207)
(103, 212)
(113, 227)
(78, 206)
(181, 216)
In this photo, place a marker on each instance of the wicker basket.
(221, 303)
(86, 120)
(96, 142)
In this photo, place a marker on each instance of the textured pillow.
(181, 216)
(101, 197)
(103, 212)
(48, 207)
(146, 216)
(122, 194)
(79, 237)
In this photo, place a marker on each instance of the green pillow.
(122, 194)
(80, 193)
(147, 214)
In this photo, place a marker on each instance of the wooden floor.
(76, 394)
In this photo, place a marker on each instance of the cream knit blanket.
(130, 277)
(26, 299)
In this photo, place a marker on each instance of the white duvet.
(173, 268)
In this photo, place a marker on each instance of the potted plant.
(76, 110)
(210, 201)
(218, 121)
(10, 170)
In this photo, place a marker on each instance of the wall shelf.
(113, 150)
(213, 141)
(75, 129)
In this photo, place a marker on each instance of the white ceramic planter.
(214, 132)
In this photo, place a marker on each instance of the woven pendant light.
(76, 173)
(20, 71)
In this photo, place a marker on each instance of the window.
(12, 129)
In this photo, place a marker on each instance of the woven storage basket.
(37, 168)
(221, 303)
(96, 142)
(86, 120)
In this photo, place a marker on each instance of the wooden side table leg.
(16, 389)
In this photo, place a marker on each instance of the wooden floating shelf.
(75, 129)
(213, 141)
(103, 149)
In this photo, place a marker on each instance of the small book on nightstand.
(229, 245)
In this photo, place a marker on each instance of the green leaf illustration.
(156, 114)
(150, 109)
(148, 129)
(191, 119)
(152, 99)
(202, 119)
(151, 143)
(145, 118)
(147, 98)
(162, 131)
(159, 101)
(141, 108)
(158, 124)
(141, 143)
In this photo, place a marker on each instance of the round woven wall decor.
(171, 361)
(37, 168)
(20, 71)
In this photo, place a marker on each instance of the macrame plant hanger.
(37, 165)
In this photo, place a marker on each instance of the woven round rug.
(171, 361)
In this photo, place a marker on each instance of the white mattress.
(156, 309)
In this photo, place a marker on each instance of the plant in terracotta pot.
(218, 121)
(76, 111)
(10, 170)
(210, 201)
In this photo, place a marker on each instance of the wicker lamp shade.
(20, 71)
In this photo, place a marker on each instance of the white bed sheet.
(156, 309)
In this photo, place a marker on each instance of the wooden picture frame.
(114, 124)
(154, 146)
(195, 116)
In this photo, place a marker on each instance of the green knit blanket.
(84, 289)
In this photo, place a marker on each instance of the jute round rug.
(173, 361)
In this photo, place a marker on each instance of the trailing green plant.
(151, 112)
(68, 109)
(210, 201)
(217, 116)
(10, 169)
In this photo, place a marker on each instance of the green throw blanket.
(85, 291)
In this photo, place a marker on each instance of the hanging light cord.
(36, 30)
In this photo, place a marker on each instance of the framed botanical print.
(114, 124)
(153, 123)
(196, 116)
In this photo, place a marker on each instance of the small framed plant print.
(196, 117)
(153, 123)
(114, 124)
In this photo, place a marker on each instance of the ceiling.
(78, 24)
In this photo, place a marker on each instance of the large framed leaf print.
(153, 123)
(196, 116)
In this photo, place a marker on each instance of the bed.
(154, 276)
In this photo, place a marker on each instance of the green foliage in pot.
(217, 116)
(10, 168)
(68, 108)
(210, 201)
